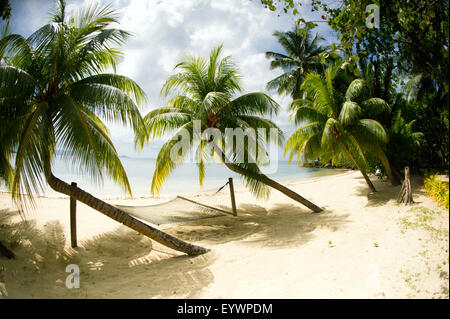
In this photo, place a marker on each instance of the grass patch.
(433, 257)
(422, 219)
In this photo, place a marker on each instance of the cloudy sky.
(165, 29)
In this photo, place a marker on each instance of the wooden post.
(233, 200)
(405, 195)
(73, 219)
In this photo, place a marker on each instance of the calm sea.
(183, 180)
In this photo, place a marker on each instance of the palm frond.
(355, 90)
(331, 133)
(29, 166)
(350, 113)
(371, 131)
(303, 55)
(375, 106)
(352, 148)
(120, 82)
(90, 146)
(317, 89)
(165, 119)
(16, 83)
(306, 141)
(109, 102)
(165, 162)
(301, 112)
(255, 103)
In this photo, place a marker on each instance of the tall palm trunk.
(394, 177)
(266, 180)
(122, 217)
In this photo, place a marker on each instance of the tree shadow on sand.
(38, 254)
(118, 264)
(126, 264)
(386, 192)
(282, 225)
(128, 259)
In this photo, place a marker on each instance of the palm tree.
(380, 85)
(7, 118)
(303, 55)
(332, 127)
(208, 89)
(55, 85)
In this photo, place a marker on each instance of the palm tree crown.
(303, 55)
(53, 92)
(333, 124)
(205, 90)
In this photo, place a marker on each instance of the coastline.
(362, 246)
(207, 191)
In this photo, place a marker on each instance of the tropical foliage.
(5, 9)
(304, 54)
(437, 189)
(54, 89)
(410, 48)
(334, 125)
(205, 90)
(408, 53)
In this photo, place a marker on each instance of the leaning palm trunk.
(122, 217)
(368, 181)
(363, 172)
(266, 180)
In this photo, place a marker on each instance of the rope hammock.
(179, 209)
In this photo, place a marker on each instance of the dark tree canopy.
(408, 54)
(5, 9)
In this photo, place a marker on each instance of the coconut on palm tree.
(203, 93)
(54, 90)
(303, 55)
(333, 124)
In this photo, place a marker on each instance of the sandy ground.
(362, 246)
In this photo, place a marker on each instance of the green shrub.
(375, 167)
(437, 189)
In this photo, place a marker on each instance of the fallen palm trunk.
(122, 217)
(266, 180)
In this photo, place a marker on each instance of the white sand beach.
(362, 246)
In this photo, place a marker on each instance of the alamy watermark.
(73, 280)
(234, 145)
(373, 19)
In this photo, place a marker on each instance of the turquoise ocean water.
(183, 179)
